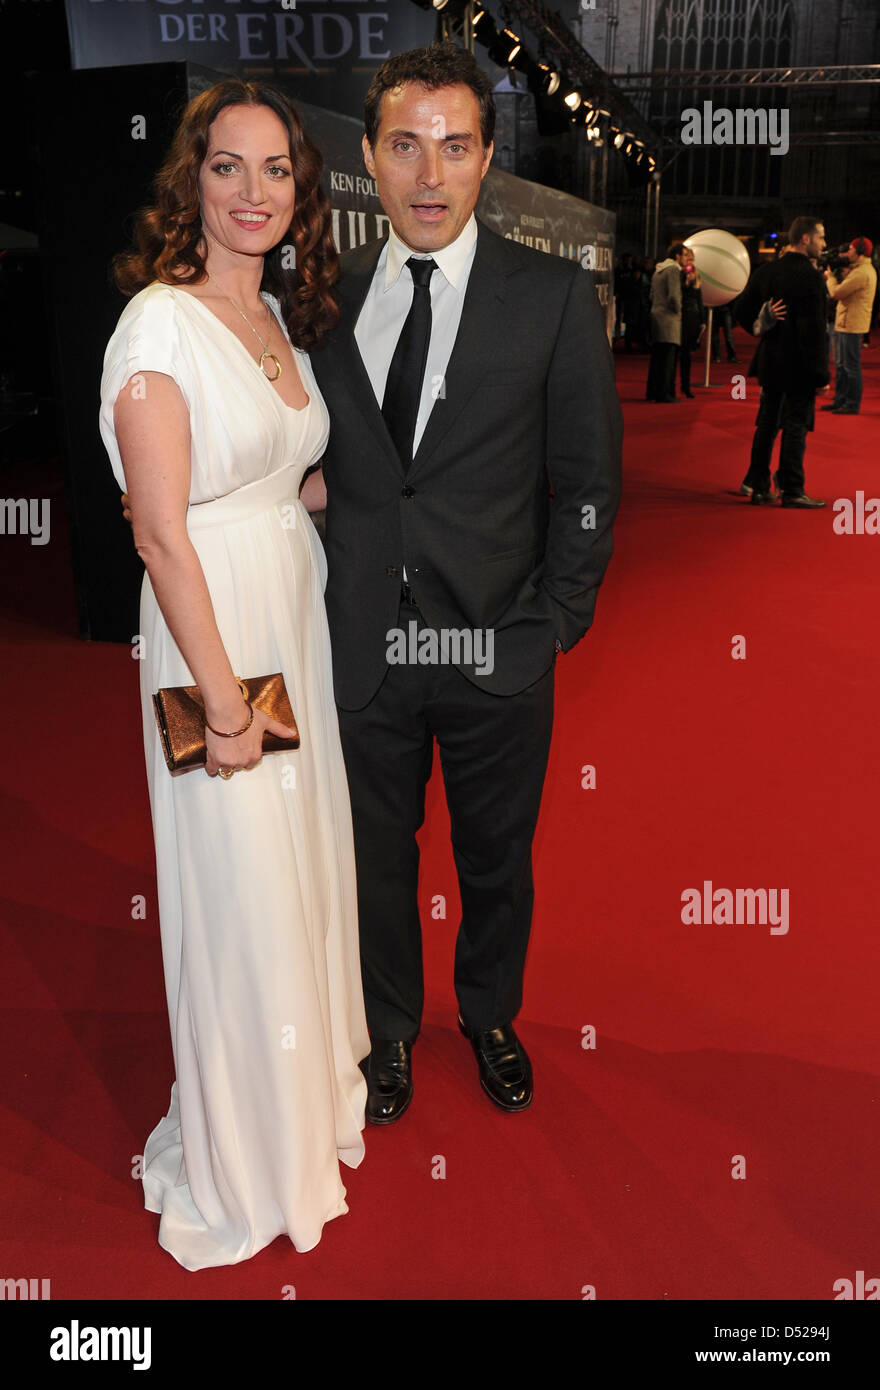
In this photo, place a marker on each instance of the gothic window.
(713, 34)
(722, 33)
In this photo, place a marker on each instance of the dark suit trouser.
(793, 413)
(661, 371)
(493, 753)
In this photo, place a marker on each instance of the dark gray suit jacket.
(792, 355)
(489, 519)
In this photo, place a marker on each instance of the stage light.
(483, 25)
(548, 79)
(619, 139)
(573, 99)
(504, 49)
(589, 115)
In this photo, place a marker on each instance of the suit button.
(408, 491)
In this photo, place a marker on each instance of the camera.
(835, 258)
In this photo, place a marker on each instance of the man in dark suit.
(791, 362)
(468, 380)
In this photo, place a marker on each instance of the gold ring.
(226, 773)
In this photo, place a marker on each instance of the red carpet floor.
(712, 1041)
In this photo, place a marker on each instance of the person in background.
(665, 325)
(875, 307)
(622, 268)
(631, 306)
(791, 362)
(692, 320)
(646, 274)
(854, 294)
(722, 322)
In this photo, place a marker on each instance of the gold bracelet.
(238, 732)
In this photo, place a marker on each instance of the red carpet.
(712, 1041)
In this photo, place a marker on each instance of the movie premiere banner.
(331, 48)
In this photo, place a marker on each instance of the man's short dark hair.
(676, 248)
(801, 227)
(440, 65)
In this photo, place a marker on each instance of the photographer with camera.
(854, 294)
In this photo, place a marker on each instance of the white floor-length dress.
(256, 877)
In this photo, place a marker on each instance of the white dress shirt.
(388, 302)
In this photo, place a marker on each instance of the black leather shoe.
(388, 1071)
(505, 1070)
(762, 499)
(800, 499)
(832, 406)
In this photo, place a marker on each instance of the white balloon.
(723, 263)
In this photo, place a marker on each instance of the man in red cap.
(852, 319)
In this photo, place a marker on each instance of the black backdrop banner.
(330, 48)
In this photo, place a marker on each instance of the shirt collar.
(452, 260)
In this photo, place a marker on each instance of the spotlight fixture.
(548, 79)
(482, 24)
(573, 99)
(619, 139)
(504, 49)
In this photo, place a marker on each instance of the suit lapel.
(472, 351)
(354, 284)
(471, 354)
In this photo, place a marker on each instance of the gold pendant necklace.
(266, 355)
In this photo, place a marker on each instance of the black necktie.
(403, 389)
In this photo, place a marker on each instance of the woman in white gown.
(211, 416)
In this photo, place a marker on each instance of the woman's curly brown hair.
(167, 235)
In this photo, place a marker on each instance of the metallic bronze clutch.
(180, 715)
